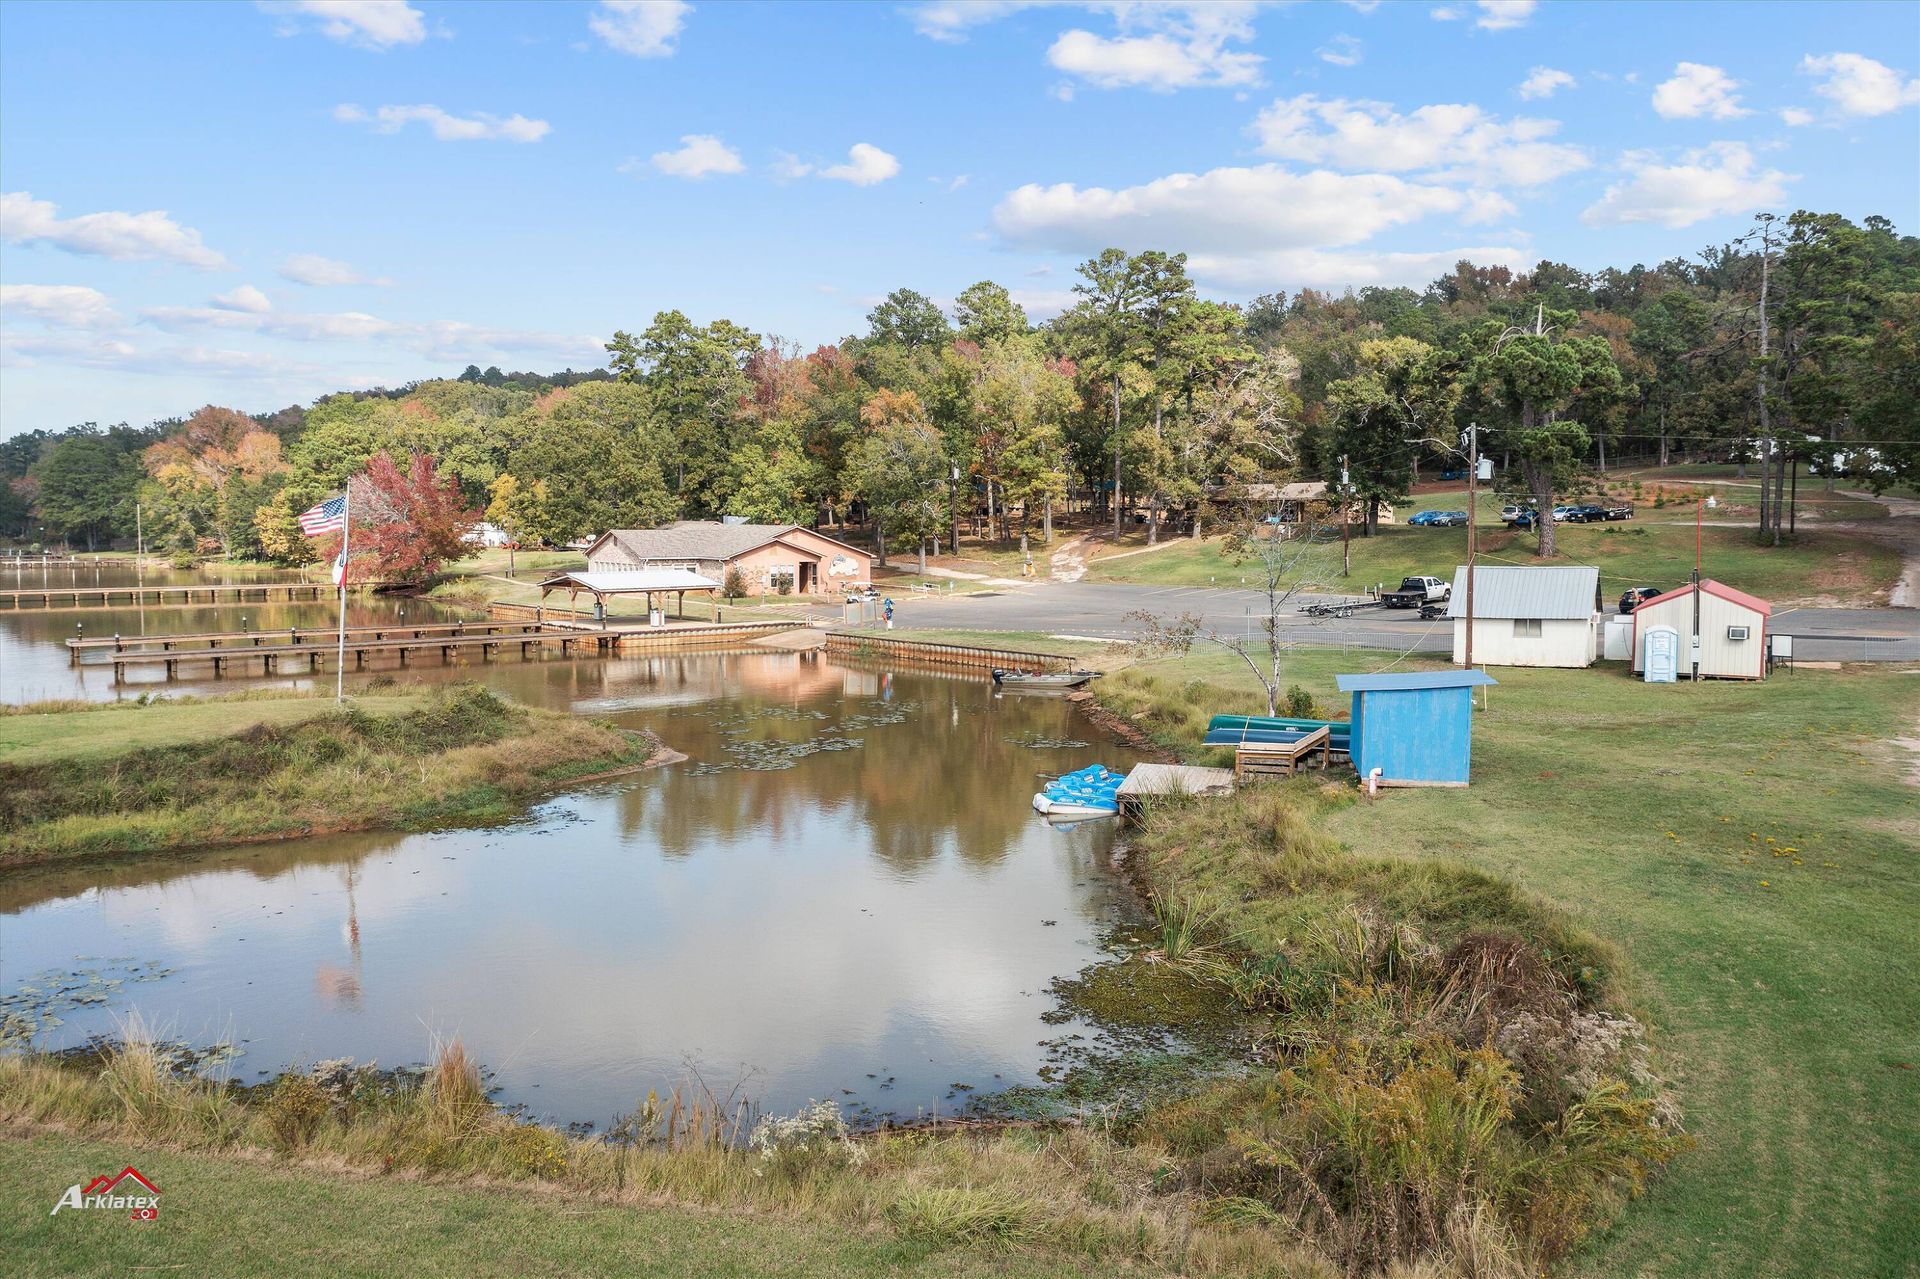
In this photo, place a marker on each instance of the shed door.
(1661, 657)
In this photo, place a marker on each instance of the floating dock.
(1147, 781)
(75, 597)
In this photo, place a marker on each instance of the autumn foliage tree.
(405, 522)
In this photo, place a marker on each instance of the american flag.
(328, 517)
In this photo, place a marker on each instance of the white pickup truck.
(1415, 591)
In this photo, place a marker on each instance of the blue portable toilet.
(1415, 727)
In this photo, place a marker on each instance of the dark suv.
(1635, 596)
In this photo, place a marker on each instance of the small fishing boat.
(1042, 681)
(1088, 792)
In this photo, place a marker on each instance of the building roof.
(632, 581)
(704, 540)
(1413, 679)
(1721, 589)
(1302, 491)
(1560, 593)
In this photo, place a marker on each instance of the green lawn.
(1817, 565)
(1755, 850)
(219, 1216)
(96, 732)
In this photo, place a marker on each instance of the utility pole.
(1473, 521)
(1346, 520)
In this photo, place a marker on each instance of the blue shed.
(1415, 727)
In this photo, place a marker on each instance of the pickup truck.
(1415, 591)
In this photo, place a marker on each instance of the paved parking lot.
(1100, 611)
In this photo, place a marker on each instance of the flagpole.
(340, 656)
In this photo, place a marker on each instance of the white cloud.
(311, 268)
(1715, 181)
(1341, 51)
(866, 165)
(372, 24)
(1445, 13)
(447, 127)
(1795, 117)
(1315, 268)
(245, 298)
(124, 237)
(643, 28)
(1544, 82)
(949, 20)
(1502, 15)
(1225, 212)
(1857, 85)
(1487, 206)
(1451, 142)
(1163, 48)
(700, 155)
(63, 306)
(1698, 90)
(1364, 6)
(120, 356)
(433, 339)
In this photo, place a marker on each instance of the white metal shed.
(1527, 616)
(1729, 641)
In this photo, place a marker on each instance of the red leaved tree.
(405, 523)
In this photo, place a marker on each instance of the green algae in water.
(37, 1006)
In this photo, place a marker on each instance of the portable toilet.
(1415, 727)
(1660, 654)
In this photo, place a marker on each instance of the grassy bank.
(1754, 849)
(803, 1199)
(1816, 565)
(153, 777)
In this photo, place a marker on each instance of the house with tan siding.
(772, 559)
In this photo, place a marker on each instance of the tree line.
(1144, 403)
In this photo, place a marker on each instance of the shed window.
(1526, 628)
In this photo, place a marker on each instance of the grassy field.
(214, 773)
(1755, 850)
(29, 735)
(1816, 565)
(220, 1216)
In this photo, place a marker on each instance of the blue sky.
(257, 204)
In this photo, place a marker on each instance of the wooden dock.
(862, 643)
(237, 651)
(1146, 781)
(49, 598)
(188, 644)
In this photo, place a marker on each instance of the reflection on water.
(842, 892)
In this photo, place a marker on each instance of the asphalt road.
(1099, 610)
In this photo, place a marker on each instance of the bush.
(1299, 703)
(295, 1110)
(735, 583)
(945, 1217)
(793, 1146)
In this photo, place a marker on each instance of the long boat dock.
(201, 643)
(403, 642)
(73, 597)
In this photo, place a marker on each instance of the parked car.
(1524, 519)
(1420, 519)
(1586, 513)
(1456, 519)
(1510, 512)
(1620, 512)
(1561, 512)
(1635, 596)
(1415, 591)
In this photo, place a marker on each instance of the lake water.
(841, 893)
(33, 653)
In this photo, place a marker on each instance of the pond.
(33, 653)
(841, 893)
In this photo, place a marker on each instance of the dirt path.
(1900, 530)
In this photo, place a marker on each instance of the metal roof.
(633, 581)
(1725, 592)
(1413, 679)
(1564, 592)
(705, 540)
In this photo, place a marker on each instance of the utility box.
(1617, 641)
